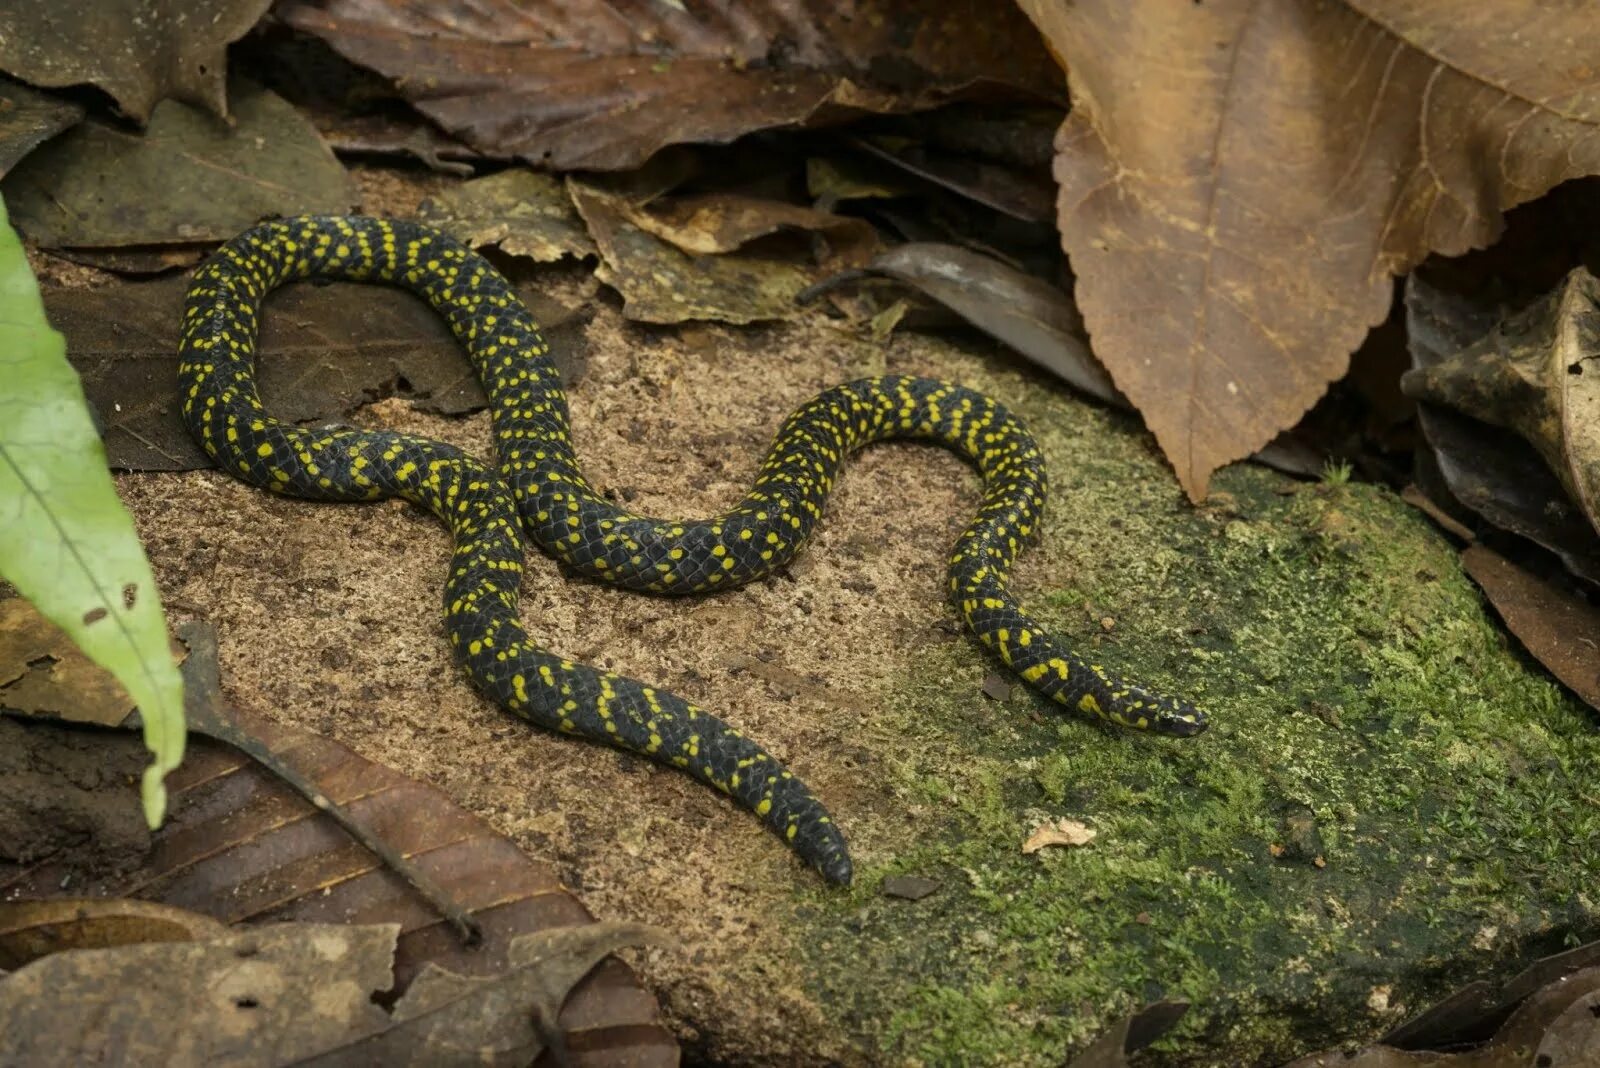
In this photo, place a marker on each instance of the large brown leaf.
(323, 352)
(602, 85)
(1240, 181)
(187, 177)
(139, 51)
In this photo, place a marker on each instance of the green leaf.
(66, 542)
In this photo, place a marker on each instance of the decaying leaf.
(293, 993)
(1062, 832)
(1538, 375)
(1476, 1011)
(585, 86)
(323, 352)
(31, 929)
(29, 118)
(139, 51)
(243, 847)
(661, 283)
(715, 223)
(188, 177)
(524, 212)
(446, 1019)
(1235, 213)
(1560, 629)
(270, 996)
(43, 672)
(1030, 315)
(1486, 468)
(1019, 137)
(34, 648)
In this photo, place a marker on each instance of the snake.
(538, 494)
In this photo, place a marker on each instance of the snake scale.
(540, 493)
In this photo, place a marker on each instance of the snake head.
(1142, 709)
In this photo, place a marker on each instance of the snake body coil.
(541, 491)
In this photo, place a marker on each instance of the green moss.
(1390, 800)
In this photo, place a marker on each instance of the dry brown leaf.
(1535, 375)
(1236, 208)
(447, 1019)
(1560, 628)
(1020, 194)
(1030, 315)
(661, 283)
(266, 997)
(188, 177)
(595, 85)
(29, 118)
(43, 672)
(713, 223)
(1062, 832)
(33, 929)
(139, 51)
(524, 212)
(195, 992)
(1484, 468)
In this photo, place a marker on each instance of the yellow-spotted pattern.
(540, 491)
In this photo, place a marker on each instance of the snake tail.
(223, 410)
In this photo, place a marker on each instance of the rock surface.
(1391, 800)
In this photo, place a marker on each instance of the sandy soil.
(329, 617)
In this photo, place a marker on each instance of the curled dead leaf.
(1062, 832)
(1536, 374)
(43, 673)
(29, 118)
(713, 223)
(1558, 1024)
(1483, 467)
(195, 992)
(30, 929)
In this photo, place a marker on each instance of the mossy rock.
(1392, 799)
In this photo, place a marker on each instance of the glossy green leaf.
(66, 542)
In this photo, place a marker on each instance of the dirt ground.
(1352, 670)
(329, 617)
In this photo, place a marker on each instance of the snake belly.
(540, 492)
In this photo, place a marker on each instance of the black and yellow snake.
(541, 492)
